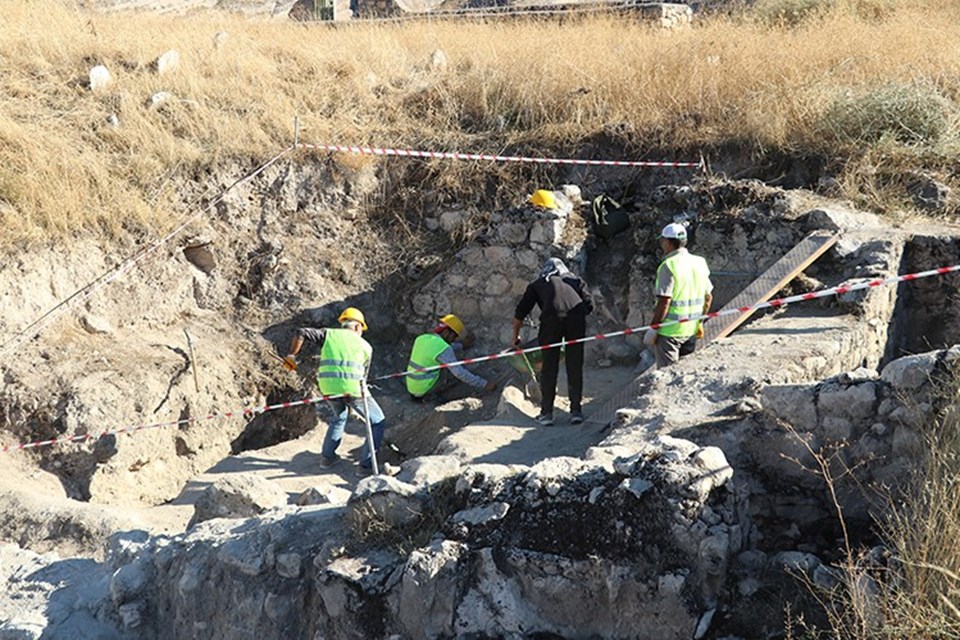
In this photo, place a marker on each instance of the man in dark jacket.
(564, 302)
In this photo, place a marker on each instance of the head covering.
(674, 231)
(553, 267)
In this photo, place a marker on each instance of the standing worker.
(564, 302)
(439, 347)
(344, 363)
(683, 290)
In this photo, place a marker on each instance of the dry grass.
(536, 86)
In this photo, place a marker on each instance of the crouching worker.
(435, 348)
(344, 363)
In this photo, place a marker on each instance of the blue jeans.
(339, 407)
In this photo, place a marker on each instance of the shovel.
(532, 387)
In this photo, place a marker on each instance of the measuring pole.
(365, 392)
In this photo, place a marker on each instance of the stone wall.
(488, 277)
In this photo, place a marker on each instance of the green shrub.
(790, 13)
(908, 114)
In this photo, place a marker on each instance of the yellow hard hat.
(354, 314)
(452, 321)
(543, 198)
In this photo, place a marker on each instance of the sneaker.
(326, 463)
(545, 419)
(576, 418)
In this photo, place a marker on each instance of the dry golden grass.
(535, 86)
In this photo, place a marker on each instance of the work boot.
(576, 417)
(326, 463)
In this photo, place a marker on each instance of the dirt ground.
(507, 435)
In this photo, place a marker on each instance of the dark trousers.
(554, 329)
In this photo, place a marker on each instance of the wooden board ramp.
(760, 290)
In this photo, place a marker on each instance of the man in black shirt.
(564, 302)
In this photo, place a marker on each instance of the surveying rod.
(365, 392)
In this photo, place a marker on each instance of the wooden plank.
(760, 290)
(773, 279)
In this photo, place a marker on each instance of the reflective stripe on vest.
(690, 276)
(343, 362)
(426, 349)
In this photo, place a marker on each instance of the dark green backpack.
(609, 218)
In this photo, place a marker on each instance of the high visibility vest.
(343, 362)
(690, 278)
(426, 349)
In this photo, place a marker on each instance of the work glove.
(290, 363)
(650, 337)
(699, 333)
(468, 341)
(490, 386)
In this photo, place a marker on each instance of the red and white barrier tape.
(248, 412)
(445, 155)
(780, 302)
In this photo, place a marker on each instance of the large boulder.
(238, 496)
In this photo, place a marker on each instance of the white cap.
(675, 231)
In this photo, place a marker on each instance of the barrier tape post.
(775, 304)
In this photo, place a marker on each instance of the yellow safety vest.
(343, 362)
(426, 349)
(690, 277)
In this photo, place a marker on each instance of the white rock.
(159, 98)
(451, 220)
(95, 324)
(438, 60)
(167, 62)
(99, 78)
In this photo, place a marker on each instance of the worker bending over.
(344, 364)
(564, 302)
(683, 290)
(439, 347)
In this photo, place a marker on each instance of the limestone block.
(472, 256)
(512, 233)
(528, 259)
(793, 403)
(716, 471)
(323, 494)
(428, 590)
(498, 257)
(837, 429)
(485, 514)
(288, 565)
(856, 402)
(910, 372)
(128, 582)
(429, 470)
(913, 416)
(546, 231)
(387, 499)
(497, 285)
(238, 496)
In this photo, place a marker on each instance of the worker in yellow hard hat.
(344, 364)
(544, 199)
(436, 347)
